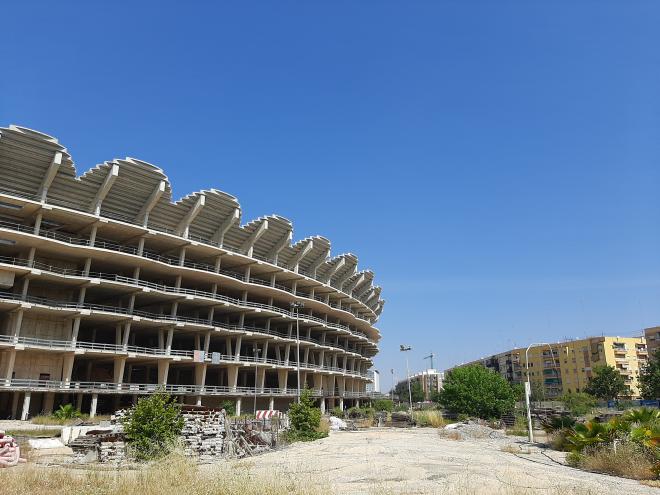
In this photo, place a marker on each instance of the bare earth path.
(418, 461)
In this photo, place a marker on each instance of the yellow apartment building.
(566, 367)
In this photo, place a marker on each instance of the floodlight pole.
(297, 305)
(528, 388)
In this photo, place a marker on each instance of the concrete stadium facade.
(110, 290)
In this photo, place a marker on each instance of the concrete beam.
(143, 215)
(184, 225)
(113, 173)
(284, 242)
(295, 261)
(318, 262)
(219, 235)
(248, 246)
(49, 176)
(334, 270)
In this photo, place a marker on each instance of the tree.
(305, 419)
(383, 405)
(579, 403)
(152, 425)
(416, 391)
(477, 391)
(649, 378)
(537, 392)
(606, 383)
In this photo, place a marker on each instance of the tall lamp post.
(528, 388)
(392, 391)
(296, 305)
(256, 351)
(406, 348)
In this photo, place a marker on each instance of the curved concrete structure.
(110, 289)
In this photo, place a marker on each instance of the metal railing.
(68, 272)
(162, 317)
(167, 230)
(170, 260)
(151, 351)
(137, 388)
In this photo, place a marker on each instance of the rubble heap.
(470, 430)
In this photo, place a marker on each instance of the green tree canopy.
(477, 391)
(416, 391)
(649, 378)
(607, 383)
(579, 403)
(305, 419)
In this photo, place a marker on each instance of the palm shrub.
(66, 411)
(152, 426)
(589, 434)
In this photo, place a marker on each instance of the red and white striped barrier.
(265, 414)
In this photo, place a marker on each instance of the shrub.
(66, 411)
(152, 425)
(360, 412)
(555, 423)
(305, 419)
(337, 412)
(477, 391)
(579, 403)
(628, 459)
(229, 406)
(383, 405)
(432, 419)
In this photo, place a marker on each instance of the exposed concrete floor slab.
(418, 461)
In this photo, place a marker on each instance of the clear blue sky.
(496, 164)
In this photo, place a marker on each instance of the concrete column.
(75, 328)
(238, 406)
(318, 381)
(92, 408)
(26, 406)
(271, 404)
(163, 369)
(264, 354)
(67, 368)
(341, 403)
(49, 400)
(228, 345)
(322, 405)
(79, 399)
(18, 321)
(198, 401)
(287, 354)
(9, 369)
(127, 333)
(207, 342)
(261, 379)
(168, 344)
(282, 377)
(237, 353)
(232, 376)
(118, 375)
(200, 374)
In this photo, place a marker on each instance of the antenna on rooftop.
(431, 356)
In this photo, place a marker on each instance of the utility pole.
(405, 348)
(528, 386)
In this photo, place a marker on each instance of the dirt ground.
(418, 461)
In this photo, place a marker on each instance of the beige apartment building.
(109, 290)
(565, 367)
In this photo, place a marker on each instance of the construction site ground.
(419, 461)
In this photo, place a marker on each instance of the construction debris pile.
(207, 434)
(469, 430)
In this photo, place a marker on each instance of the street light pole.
(528, 388)
(392, 391)
(256, 352)
(297, 305)
(405, 348)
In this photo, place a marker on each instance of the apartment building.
(652, 335)
(109, 290)
(431, 381)
(565, 367)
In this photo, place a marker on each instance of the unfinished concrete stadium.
(110, 290)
